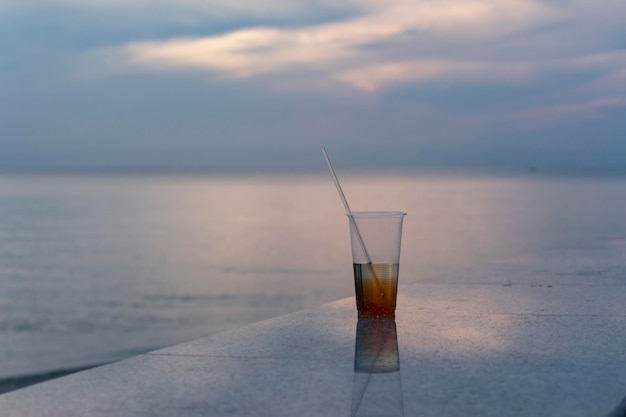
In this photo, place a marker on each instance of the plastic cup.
(375, 237)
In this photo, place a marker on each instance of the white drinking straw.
(348, 212)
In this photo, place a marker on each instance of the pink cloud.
(551, 115)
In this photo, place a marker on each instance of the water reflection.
(377, 386)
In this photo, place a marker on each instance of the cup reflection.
(377, 386)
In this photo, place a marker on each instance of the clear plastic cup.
(375, 237)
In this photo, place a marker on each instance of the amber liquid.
(376, 287)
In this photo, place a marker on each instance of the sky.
(231, 84)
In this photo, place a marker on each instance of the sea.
(96, 267)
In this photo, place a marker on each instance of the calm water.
(95, 268)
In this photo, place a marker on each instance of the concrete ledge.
(541, 335)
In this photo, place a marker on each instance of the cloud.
(550, 61)
(215, 9)
(243, 53)
(586, 110)
(371, 49)
(419, 71)
(180, 81)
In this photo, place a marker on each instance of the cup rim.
(376, 214)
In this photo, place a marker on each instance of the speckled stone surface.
(540, 335)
